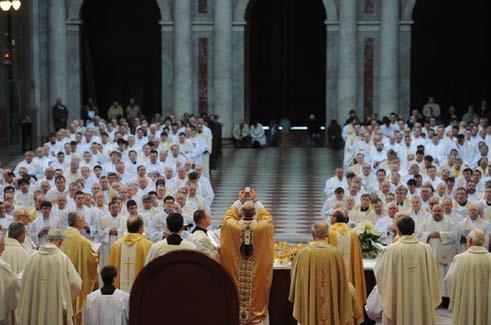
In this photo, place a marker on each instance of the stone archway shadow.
(75, 10)
(241, 8)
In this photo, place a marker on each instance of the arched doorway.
(451, 53)
(286, 60)
(121, 53)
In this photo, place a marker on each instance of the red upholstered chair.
(181, 288)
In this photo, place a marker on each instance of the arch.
(407, 10)
(241, 8)
(75, 10)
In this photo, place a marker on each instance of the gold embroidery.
(246, 271)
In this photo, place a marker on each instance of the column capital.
(166, 23)
(166, 26)
(239, 26)
(74, 22)
(406, 22)
(331, 22)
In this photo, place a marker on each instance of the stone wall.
(368, 57)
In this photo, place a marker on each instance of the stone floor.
(290, 183)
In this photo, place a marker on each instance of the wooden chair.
(181, 288)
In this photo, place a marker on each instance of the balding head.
(56, 236)
(135, 224)
(476, 238)
(339, 215)
(320, 230)
(248, 211)
(437, 212)
(75, 220)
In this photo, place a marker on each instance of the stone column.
(74, 48)
(238, 74)
(167, 52)
(222, 85)
(405, 68)
(57, 56)
(389, 58)
(332, 64)
(182, 58)
(4, 116)
(347, 68)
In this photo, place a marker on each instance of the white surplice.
(443, 248)
(103, 229)
(40, 223)
(107, 309)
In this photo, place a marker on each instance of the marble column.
(57, 55)
(182, 58)
(389, 58)
(222, 85)
(347, 67)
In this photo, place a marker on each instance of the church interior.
(239, 162)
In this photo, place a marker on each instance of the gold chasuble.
(348, 242)
(358, 315)
(319, 288)
(408, 283)
(128, 255)
(247, 253)
(85, 260)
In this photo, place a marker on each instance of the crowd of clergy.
(82, 215)
(438, 174)
(68, 208)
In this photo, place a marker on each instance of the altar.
(280, 309)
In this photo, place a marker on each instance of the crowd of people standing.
(435, 171)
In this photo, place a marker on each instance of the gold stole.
(247, 268)
(343, 242)
(127, 267)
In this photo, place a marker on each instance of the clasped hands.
(434, 234)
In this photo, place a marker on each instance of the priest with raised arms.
(319, 289)
(347, 241)
(129, 253)
(468, 283)
(407, 279)
(50, 284)
(247, 253)
(84, 258)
